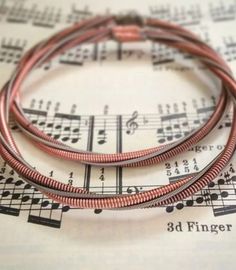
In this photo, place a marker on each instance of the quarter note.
(102, 135)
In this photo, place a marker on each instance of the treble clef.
(131, 124)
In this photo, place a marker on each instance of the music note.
(102, 135)
(222, 12)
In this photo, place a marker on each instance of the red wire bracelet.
(121, 28)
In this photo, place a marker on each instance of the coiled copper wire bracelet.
(121, 28)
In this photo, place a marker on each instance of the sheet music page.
(109, 97)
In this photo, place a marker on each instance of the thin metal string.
(121, 29)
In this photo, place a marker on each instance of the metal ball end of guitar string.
(125, 28)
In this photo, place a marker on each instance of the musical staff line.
(17, 196)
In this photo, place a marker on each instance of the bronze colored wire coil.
(120, 28)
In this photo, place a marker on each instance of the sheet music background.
(107, 97)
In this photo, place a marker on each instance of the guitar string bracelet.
(120, 28)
